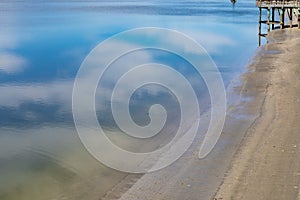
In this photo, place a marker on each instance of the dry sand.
(258, 154)
(267, 164)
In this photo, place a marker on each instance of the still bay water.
(42, 45)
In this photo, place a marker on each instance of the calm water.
(43, 43)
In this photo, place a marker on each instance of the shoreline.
(190, 178)
(266, 165)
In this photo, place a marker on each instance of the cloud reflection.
(10, 63)
(59, 93)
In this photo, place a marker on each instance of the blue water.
(42, 45)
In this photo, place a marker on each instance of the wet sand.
(267, 163)
(257, 156)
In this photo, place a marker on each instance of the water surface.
(43, 43)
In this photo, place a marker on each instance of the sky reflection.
(42, 45)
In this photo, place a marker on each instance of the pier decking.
(277, 13)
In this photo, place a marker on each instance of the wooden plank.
(278, 3)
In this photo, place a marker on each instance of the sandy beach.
(267, 166)
(257, 156)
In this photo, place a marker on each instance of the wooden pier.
(277, 13)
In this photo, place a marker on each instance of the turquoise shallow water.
(43, 43)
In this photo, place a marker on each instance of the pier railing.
(278, 3)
